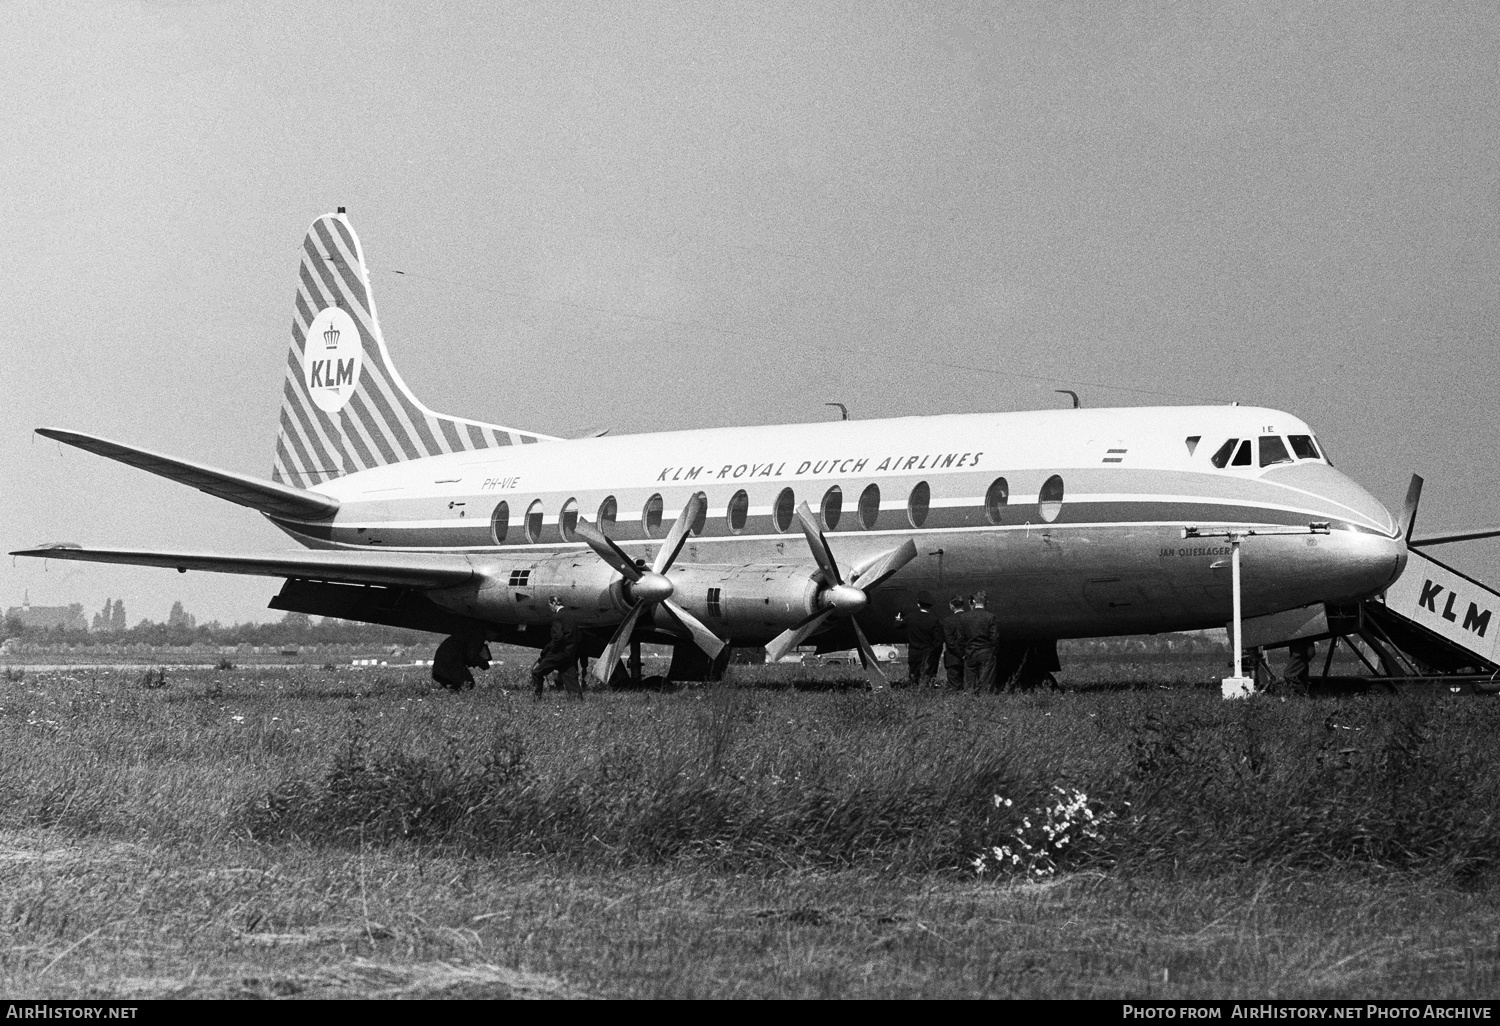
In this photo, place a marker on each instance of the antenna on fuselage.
(1069, 391)
(843, 410)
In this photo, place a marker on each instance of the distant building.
(48, 617)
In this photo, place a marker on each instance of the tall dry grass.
(743, 777)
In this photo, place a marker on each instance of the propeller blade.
(604, 666)
(607, 550)
(819, 544)
(705, 638)
(867, 657)
(677, 536)
(875, 573)
(794, 636)
(1409, 507)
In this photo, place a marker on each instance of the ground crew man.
(954, 642)
(562, 654)
(1300, 659)
(924, 642)
(981, 633)
(450, 664)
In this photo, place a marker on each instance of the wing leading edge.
(399, 569)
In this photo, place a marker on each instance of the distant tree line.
(182, 628)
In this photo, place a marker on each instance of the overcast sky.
(678, 215)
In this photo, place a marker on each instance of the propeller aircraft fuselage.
(1071, 520)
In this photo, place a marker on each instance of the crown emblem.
(331, 337)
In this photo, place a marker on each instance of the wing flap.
(267, 496)
(401, 569)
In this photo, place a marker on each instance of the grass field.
(323, 833)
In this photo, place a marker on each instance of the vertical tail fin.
(345, 408)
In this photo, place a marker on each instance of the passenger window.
(608, 510)
(1303, 447)
(996, 499)
(1049, 502)
(1242, 458)
(833, 508)
(739, 511)
(869, 507)
(651, 516)
(702, 517)
(567, 520)
(1220, 459)
(500, 522)
(1273, 451)
(534, 521)
(784, 509)
(918, 503)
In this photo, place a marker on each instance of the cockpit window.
(1303, 447)
(1273, 451)
(1242, 458)
(1220, 459)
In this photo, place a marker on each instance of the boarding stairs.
(1435, 627)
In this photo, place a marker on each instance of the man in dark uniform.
(924, 642)
(563, 651)
(450, 665)
(981, 634)
(1301, 653)
(954, 642)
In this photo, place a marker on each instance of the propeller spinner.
(647, 588)
(839, 598)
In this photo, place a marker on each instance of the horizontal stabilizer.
(1455, 536)
(398, 569)
(277, 500)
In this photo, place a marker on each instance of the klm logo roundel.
(331, 359)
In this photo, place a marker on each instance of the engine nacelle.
(736, 602)
(518, 591)
(743, 603)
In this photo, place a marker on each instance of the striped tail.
(345, 407)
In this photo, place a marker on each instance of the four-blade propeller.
(647, 588)
(839, 598)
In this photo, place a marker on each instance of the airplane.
(1072, 520)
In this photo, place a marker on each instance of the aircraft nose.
(1320, 488)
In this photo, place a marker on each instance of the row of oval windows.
(783, 513)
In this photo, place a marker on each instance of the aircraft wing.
(266, 496)
(402, 569)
